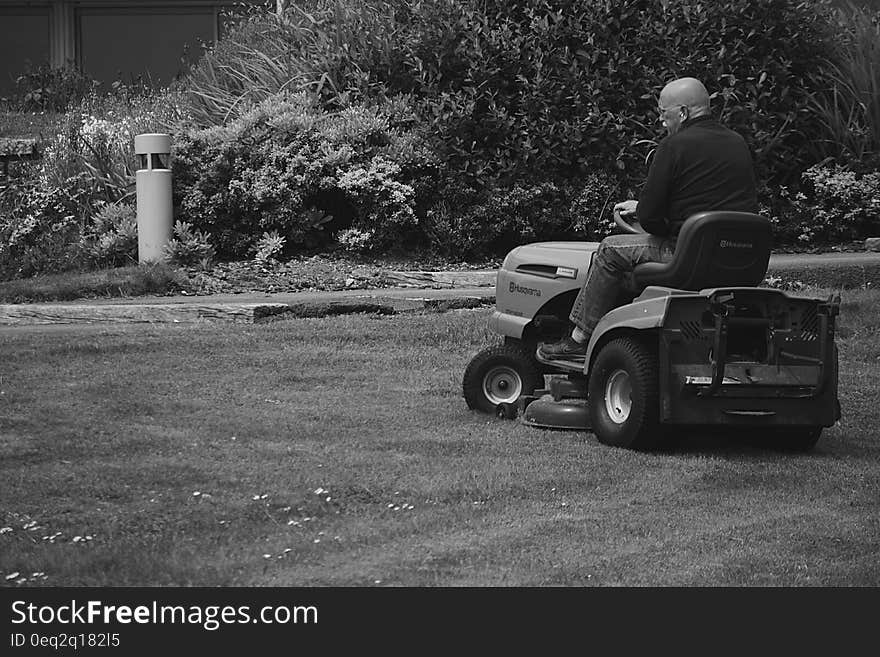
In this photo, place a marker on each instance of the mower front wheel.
(500, 375)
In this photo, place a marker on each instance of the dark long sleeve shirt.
(704, 166)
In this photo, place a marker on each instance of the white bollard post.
(154, 206)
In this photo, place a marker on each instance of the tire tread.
(645, 433)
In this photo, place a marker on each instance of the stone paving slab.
(148, 313)
(448, 279)
(204, 309)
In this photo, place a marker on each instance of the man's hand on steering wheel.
(625, 216)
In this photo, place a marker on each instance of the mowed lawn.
(339, 451)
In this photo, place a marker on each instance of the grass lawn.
(339, 451)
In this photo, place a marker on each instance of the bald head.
(680, 100)
(689, 92)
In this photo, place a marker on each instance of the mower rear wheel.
(500, 375)
(623, 397)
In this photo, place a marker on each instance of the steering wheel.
(633, 226)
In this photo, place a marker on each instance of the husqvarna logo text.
(727, 244)
(531, 291)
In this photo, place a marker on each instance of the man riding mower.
(699, 347)
(695, 343)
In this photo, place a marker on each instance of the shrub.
(833, 205)
(269, 247)
(535, 89)
(593, 207)
(354, 240)
(44, 88)
(112, 238)
(384, 203)
(289, 167)
(511, 97)
(188, 246)
(570, 87)
(41, 224)
(474, 225)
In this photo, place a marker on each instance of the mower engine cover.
(536, 277)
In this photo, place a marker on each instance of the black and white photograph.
(305, 296)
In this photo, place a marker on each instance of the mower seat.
(714, 249)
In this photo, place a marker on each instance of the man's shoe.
(566, 349)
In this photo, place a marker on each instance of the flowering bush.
(40, 225)
(96, 138)
(354, 240)
(385, 205)
(289, 167)
(99, 148)
(833, 204)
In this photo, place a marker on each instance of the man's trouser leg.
(610, 274)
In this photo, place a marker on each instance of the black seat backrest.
(714, 249)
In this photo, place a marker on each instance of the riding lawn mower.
(698, 346)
